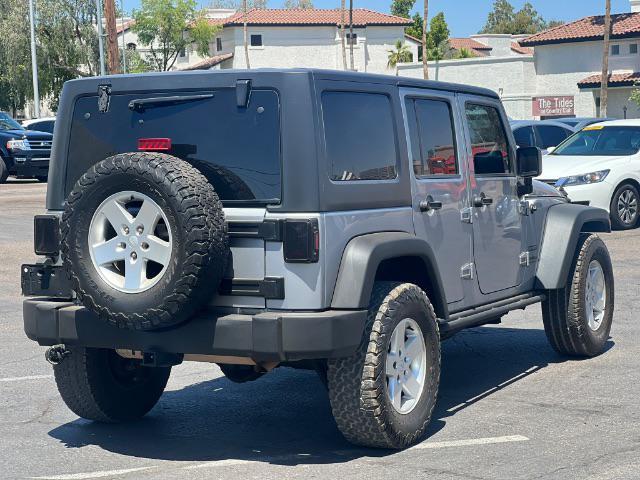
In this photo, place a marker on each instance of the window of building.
(633, 49)
(131, 46)
(352, 39)
(489, 145)
(360, 136)
(432, 138)
(218, 44)
(183, 52)
(615, 50)
(256, 40)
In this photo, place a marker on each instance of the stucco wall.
(509, 76)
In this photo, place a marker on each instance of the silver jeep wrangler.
(335, 221)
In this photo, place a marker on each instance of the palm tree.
(464, 53)
(244, 32)
(425, 25)
(351, 39)
(604, 79)
(400, 54)
(343, 45)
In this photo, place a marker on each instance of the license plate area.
(41, 280)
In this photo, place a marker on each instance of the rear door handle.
(482, 200)
(429, 204)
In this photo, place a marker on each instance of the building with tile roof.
(561, 65)
(281, 38)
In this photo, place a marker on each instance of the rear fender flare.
(362, 257)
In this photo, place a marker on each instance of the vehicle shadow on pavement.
(284, 418)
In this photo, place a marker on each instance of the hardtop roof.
(180, 78)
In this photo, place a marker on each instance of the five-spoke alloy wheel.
(130, 242)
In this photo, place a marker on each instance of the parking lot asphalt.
(509, 406)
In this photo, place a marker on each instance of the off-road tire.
(4, 171)
(563, 311)
(200, 244)
(357, 384)
(616, 221)
(98, 384)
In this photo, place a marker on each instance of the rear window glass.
(237, 149)
(551, 136)
(359, 136)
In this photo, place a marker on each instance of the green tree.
(400, 54)
(67, 47)
(505, 19)
(168, 27)
(415, 30)
(438, 38)
(298, 4)
(402, 8)
(463, 53)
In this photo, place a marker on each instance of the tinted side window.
(489, 144)
(551, 136)
(524, 137)
(437, 150)
(359, 135)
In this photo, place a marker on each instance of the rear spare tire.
(144, 240)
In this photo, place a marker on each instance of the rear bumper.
(264, 336)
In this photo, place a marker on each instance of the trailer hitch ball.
(55, 354)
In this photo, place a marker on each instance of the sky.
(466, 17)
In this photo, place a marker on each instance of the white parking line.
(469, 442)
(90, 475)
(21, 379)
(220, 463)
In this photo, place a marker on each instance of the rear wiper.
(141, 104)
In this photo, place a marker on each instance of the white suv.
(600, 166)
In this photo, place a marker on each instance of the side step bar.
(487, 313)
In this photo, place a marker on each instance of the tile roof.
(312, 16)
(468, 43)
(207, 63)
(123, 27)
(515, 46)
(585, 29)
(627, 79)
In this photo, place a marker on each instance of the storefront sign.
(554, 106)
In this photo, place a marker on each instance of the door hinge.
(525, 259)
(466, 215)
(524, 208)
(466, 272)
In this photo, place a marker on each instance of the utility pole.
(425, 25)
(351, 39)
(124, 45)
(112, 37)
(34, 61)
(604, 79)
(100, 36)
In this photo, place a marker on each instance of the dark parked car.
(44, 124)
(23, 153)
(542, 134)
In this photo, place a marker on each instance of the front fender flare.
(362, 257)
(564, 224)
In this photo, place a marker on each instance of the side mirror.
(529, 162)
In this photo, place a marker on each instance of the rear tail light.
(301, 241)
(154, 144)
(46, 236)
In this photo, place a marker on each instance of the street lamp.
(100, 36)
(34, 61)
